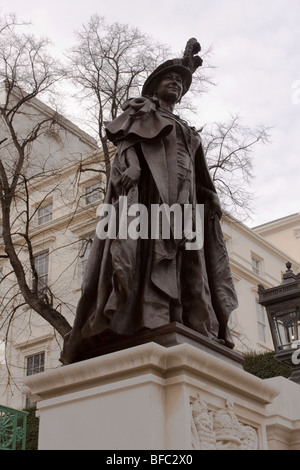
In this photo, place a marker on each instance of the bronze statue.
(132, 284)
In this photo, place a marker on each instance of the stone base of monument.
(153, 397)
(167, 335)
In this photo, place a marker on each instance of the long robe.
(133, 284)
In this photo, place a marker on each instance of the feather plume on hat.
(185, 66)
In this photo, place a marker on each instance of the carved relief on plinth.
(203, 434)
(220, 429)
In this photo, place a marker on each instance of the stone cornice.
(149, 358)
(250, 233)
(278, 224)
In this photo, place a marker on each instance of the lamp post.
(283, 309)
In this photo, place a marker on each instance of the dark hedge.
(32, 429)
(265, 365)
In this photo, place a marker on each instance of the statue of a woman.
(136, 283)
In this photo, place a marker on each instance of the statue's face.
(170, 87)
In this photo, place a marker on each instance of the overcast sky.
(256, 51)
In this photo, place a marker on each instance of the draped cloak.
(129, 284)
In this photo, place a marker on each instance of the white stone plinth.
(283, 423)
(151, 397)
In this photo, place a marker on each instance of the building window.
(44, 213)
(34, 365)
(256, 265)
(93, 193)
(261, 322)
(41, 263)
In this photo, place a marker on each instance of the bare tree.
(27, 70)
(229, 148)
(108, 65)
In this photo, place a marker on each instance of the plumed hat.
(185, 66)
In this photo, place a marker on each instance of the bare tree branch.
(229, 147)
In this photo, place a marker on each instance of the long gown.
(133, 284)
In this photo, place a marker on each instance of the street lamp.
(283, 309)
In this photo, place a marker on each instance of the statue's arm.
(132, 174)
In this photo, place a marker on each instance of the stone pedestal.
(283, 422)
(151, 397)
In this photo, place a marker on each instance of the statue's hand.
(130, 176)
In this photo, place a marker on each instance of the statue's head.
(184, 67)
